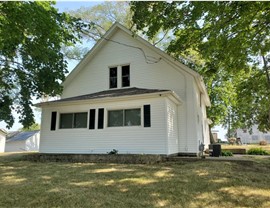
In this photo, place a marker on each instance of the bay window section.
(125, 117)
(73, 120)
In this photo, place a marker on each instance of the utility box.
(214, 150)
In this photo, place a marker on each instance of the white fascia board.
(3, 132)
(174, 97)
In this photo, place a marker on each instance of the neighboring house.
(215, 135)
(3, 134)
(130, 96)
(255, 137)
(23, 141)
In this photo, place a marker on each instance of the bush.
(257, 151)
(113, 152)
(263, 143)
(232, 140)
(226, 153)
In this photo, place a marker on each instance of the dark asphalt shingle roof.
(111, 93)
(22, 136)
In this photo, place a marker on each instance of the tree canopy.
(31, 61)
(228, 43)
(101, 17)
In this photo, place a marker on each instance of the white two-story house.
(130, 96)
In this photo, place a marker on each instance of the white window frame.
(119, 76)
(129, 108)
(72, 112)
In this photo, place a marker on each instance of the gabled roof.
(113, 94)
(117, 26)
(22, 136)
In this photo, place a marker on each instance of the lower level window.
(73, 120)
(127, 117)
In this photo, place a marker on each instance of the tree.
(31, 62)
(101, 17)
(33, 127)
(232, 39)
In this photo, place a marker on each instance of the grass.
(186, 184)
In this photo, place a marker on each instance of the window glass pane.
(133, 117)
(66, 120)
(115, 118)
(113, 77)
(125, 76)
(80, 120)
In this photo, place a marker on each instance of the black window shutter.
(92, 116)
(147, 115)
(100, 118)
(53, 121)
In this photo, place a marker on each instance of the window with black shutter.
(92, 117)
(100, 118)
(53, 121)
(147, 115)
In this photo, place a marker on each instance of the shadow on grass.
(194, 184)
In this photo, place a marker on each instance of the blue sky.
(73, 5)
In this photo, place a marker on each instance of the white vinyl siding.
(127, 140)
(172, 127)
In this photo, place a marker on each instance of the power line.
(148, 59)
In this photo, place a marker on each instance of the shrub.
(263, 143)
(232, 140)
(113, 152)
(257, 151)
(226, 153)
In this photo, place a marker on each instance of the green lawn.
(186, 184)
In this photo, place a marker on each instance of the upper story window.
(119, 76)
(125, 76)
(113, 77)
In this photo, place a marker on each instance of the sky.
(63, 6)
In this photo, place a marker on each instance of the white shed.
(23, 141)
(127, 95)
(3, 134)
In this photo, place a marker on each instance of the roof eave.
(177, 99)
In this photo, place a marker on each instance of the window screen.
(66, 120)
(133, 117)
(115, 118)
(80, 120)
